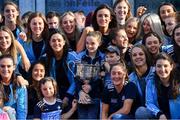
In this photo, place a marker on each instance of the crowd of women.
(106, 65)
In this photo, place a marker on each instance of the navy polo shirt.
(116, 100)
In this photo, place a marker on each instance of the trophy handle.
(70, 66)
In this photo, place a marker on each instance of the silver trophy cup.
(84, 71)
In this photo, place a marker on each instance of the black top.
(116, 100)
(37, 48)
(163, 100)
(61, 78)
(32, 100)
(106, 41)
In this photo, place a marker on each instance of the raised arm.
(81, 43)
(25, 61)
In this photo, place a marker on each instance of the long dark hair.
(13, 80)
(176, 46)
(33, 83)
(174, 77)
(163, 4)
(112, 24)
(149, 35)
(147, 55)
(49, 50)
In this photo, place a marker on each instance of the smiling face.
(138, 57)
(47, 89)
(121, 39)
(118, 75)
(68, 24)
(57, 42)
(166, 11)
(5, 40)
(92, 44)
(163, 69)
(132, 29)
(121, 11)
(37, 26)
(6, 69)
(10, 13)
(177, 36)
(38, 72)
(153, 45)
(103, 18)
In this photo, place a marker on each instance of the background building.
(61, 6)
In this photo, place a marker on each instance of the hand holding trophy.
(85, 73)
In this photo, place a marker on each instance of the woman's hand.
(26, 64)
(74, 104)
(84, 98)
(21, 81)
(88, 29)
(22, 35)
(141, 10)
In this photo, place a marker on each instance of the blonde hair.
(95, 34)
(138, 21)
(67, 13)
(12, 50)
